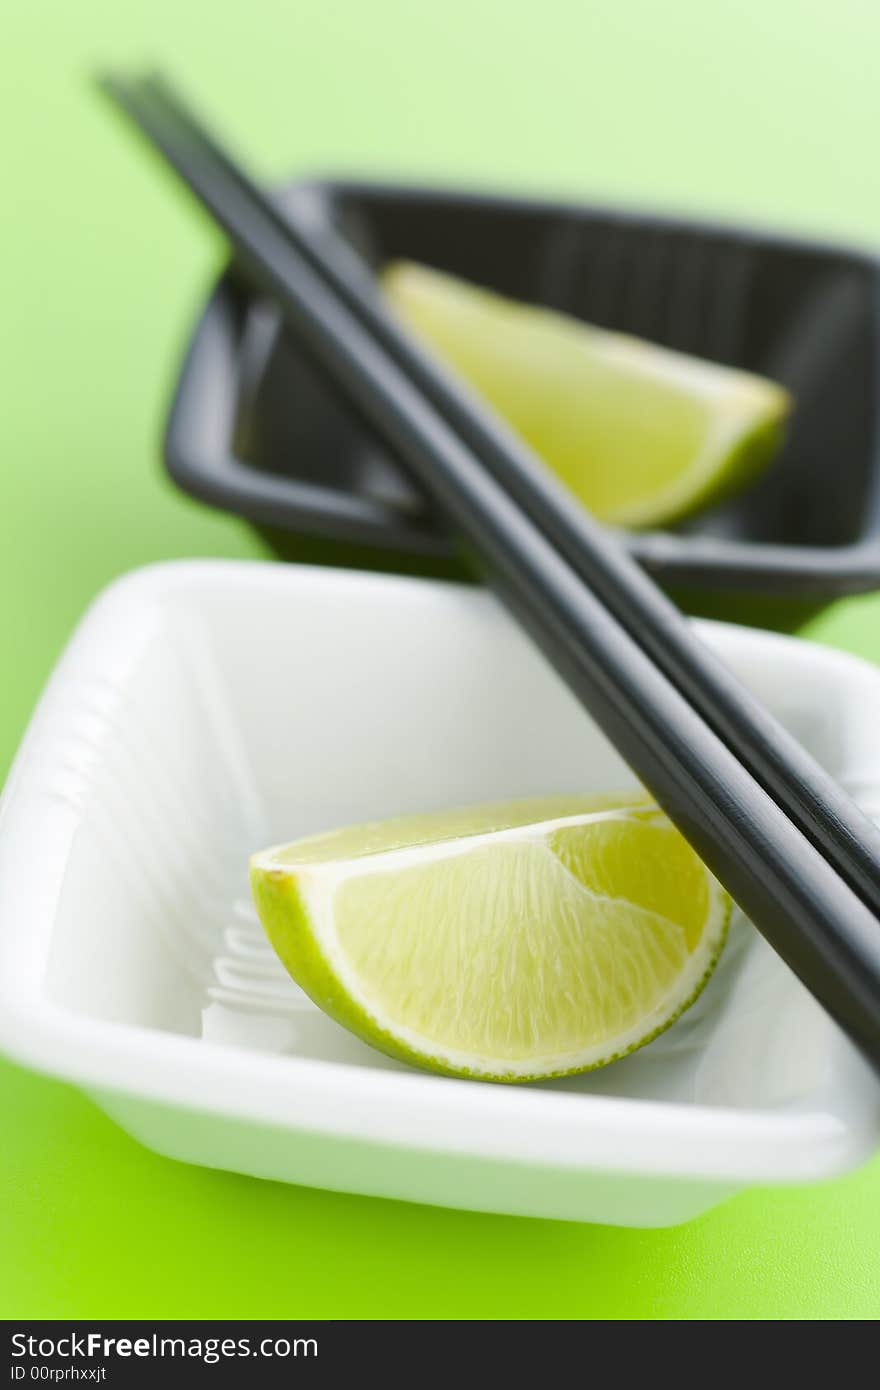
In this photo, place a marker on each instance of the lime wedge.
(509, 942)
(641, 434)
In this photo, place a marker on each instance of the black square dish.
(257, 430)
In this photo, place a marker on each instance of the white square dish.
(206, 709)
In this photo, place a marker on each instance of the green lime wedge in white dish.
(640, 434)
(507, 942)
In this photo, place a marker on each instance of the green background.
(761, 111)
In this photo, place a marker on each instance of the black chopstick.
(811, 799)
(792, 893)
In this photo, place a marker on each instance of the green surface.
(758, 110)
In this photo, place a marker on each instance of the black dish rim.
(199, 426)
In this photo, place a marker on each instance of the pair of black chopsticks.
(800, 859)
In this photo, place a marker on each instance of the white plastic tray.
(206, 709)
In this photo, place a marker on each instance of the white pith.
(319, 883)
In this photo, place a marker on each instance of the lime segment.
(498, 942)
(641, 434)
